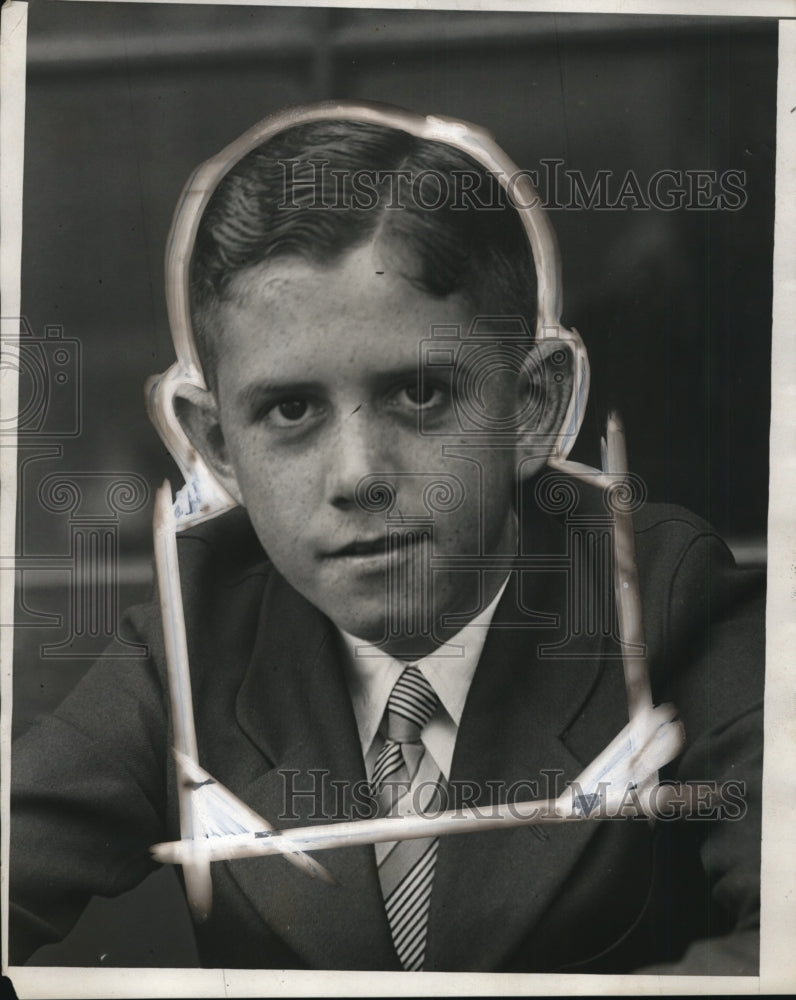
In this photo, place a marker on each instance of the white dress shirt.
(371, 675)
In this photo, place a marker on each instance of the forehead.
(361, 311)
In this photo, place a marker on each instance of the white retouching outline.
(652, 737)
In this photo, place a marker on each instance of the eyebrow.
(255, 392)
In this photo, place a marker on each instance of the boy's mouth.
(369, 547)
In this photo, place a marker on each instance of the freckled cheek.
(281, 529)
(275, 474)
(281, 497)
(458, 532)
(269, 487)
(488, 500)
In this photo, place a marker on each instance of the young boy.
(404, 598)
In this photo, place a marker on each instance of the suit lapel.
(492, 887)
(295, 708)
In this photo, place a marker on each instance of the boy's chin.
(398, 637)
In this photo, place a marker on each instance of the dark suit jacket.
(94, 785)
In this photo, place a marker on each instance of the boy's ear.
(197, 412)
(551, 365)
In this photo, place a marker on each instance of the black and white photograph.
(396, 554)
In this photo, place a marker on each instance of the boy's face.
(317, 388)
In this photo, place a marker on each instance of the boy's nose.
(359, 449)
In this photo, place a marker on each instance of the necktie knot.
(411, 704)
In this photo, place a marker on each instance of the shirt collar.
(371, 673)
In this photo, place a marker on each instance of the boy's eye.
(288, 412)
(293, 409)
(421, 395)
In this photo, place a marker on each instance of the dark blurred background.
(124, 100)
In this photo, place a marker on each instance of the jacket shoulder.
(223, 575)
(225, 546)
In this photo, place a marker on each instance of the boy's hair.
(319, 190)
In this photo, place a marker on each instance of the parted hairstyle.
(321, 189)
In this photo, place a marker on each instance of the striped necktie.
(407, 779)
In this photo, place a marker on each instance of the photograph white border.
(778, 926)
